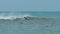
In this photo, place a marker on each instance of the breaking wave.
(26, 17)
(22, 16)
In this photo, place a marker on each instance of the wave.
(24, 18)
(21, 16)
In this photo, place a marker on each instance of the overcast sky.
(29, 5)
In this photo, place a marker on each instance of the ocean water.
(28, 22)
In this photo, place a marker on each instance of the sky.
(29, 5)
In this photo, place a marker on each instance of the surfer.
(26, 18)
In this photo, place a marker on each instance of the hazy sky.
(29, 5)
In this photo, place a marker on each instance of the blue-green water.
(36, 22)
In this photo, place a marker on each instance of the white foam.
(14, 16)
